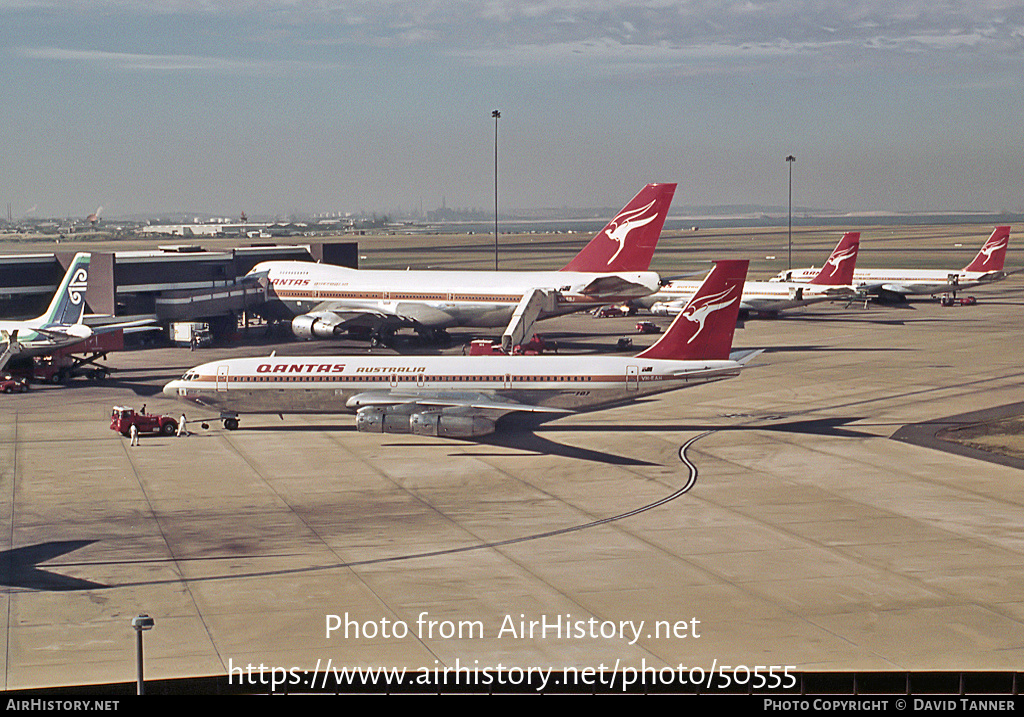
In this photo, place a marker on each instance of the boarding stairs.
(525, 316)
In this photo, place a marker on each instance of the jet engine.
(389, 419)
(314, 326)
(438, 423)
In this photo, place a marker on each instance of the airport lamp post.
(496, 114)
(141, 623)
(789, 160)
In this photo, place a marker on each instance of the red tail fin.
(838, 270)
(704, 329)
(627, 243)
(993, 254)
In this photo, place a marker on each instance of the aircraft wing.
(409, 314)
(470, 401)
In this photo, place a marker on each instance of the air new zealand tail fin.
(68, 305)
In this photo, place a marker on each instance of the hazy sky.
(293, 105)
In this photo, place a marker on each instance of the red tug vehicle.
(122, 418)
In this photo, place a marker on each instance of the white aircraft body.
(464, 396)
(325, 301)
(60, 326)
(832, 281)
(897, 284)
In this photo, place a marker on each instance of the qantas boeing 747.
(324, 301)
(464, 396)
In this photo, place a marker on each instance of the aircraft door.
(632, 378)
(222, 377)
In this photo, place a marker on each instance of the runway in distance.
(833, 281)
(324, 301)
(894, 285)
(60, 326)
(464, 396)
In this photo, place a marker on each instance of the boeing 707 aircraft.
(832, 281)
(324, 301)
(897, 284)
(464, 396)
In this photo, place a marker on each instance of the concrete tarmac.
(810, 538)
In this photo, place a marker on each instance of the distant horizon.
(559, 220)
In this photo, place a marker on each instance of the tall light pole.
(789, 160)
(140, 623)
(495, 114)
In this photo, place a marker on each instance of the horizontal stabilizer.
(615, 286)
(746, 356)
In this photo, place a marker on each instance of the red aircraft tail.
(704, 329)
(838, 270)
(627, 243)
(993, 254)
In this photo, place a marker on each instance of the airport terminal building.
(169, 284)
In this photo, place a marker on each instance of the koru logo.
(79, 283)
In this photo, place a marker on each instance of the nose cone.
(171, 389)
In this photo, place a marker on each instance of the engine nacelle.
(373, 419)
(312, 326)
(436, 423)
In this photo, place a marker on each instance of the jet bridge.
(525, 316)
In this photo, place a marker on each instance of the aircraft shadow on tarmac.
(529, 433)
(18, 567)
(830, 349)
(525, 433)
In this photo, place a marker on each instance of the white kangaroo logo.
(624, 223)
(838, 258)
(988, 251)
(710, 304)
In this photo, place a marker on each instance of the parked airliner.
(464, 396)
(60, 326)
(832, 281)
(324, 301)
(897, 284)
